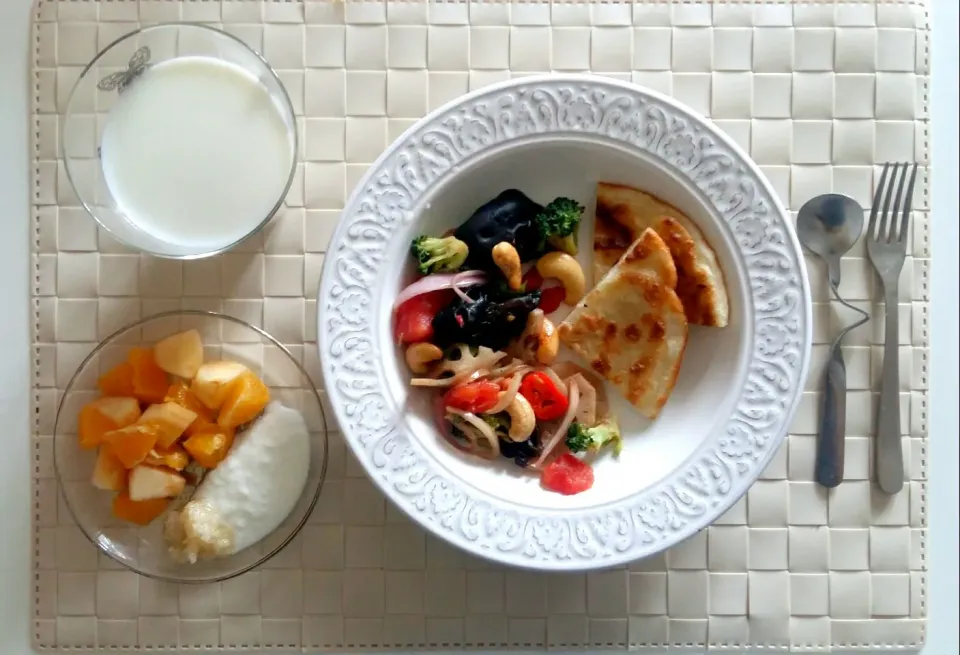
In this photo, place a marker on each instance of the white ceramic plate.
(738, 387)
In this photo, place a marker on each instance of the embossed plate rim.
(683, 502)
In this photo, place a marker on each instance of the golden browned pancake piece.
(631, 328)
(623, 213)
(610, 241)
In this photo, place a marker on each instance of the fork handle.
(889, 454)
(833, 418)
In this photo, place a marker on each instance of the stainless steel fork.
(887, 248)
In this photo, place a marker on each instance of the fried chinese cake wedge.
(631, 328)
(623, 213)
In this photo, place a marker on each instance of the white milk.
(196, 152)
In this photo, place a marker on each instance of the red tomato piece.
(474, 397)
(549, 403)
(551, 299)
(567, 475)
(414, 320)
(532, 280)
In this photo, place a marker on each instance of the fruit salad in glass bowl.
(190, 446)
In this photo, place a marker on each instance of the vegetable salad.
(475, 327)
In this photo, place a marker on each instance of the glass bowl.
(142, 549)
(129, 151)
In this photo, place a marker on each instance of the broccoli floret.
(499, 422)
(581, 439)
(558, 224)
(438, 254)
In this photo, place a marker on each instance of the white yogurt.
(250, 493)
(196, 152)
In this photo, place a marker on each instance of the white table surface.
(15, 612)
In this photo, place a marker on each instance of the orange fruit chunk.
(92, 425)
(133, 443)
(181, 394)
(141, 512)
(175, 457)
(171, 419)
(208, 449)
(246, 397)
(118, 381)
(109, 473)
(104, 415)
(200, 426)
(149, 380)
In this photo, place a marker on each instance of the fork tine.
(872, 226)
(907, 206)
(884, 231)
(893, 234)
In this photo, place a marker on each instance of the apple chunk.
(109, 473)
(180, 354)
(171, 419)
(122, 411)
(213, 379)
(149, 482)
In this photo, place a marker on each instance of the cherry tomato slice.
(475, 397)
(548, 402)
(532, 280)
(551, 299)
(567, 475)
(414, 319)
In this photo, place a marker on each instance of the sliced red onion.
(460, 294)
(445, 426)
(509, 369)
(439, 281)
(557, 437)
(437, 383)
(457, 282)
(506, 397)
(481, 431)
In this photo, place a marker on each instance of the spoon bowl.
(829, 226)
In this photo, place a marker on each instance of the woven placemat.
(818, 93)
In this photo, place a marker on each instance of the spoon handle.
(833, 420)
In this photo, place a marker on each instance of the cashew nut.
(420, 355)
(539, 341)
(530, 337)
(565, 268)
(507, 259)
(548, 343)
(522, 419)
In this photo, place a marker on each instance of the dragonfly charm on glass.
(121, 80)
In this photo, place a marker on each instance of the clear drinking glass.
(143, 549)
(112, 72)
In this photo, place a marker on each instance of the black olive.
(508, 217)
(521, 452)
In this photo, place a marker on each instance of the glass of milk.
(179, 140)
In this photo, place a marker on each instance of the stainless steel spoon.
(828, 226)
